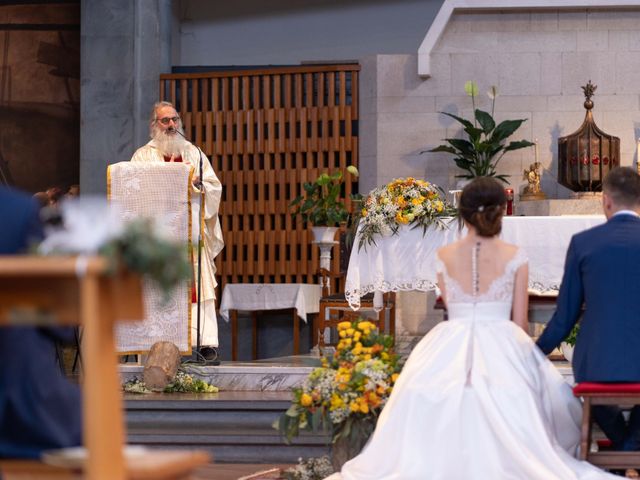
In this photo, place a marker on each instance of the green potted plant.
(322, 204)
(485, 144)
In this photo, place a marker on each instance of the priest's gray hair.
(156, 106)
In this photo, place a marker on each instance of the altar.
(406, 261)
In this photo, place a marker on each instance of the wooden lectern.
(79, 290)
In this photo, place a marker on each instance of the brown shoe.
(631, 473)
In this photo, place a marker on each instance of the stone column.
(125, 46)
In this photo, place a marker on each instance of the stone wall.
(538, 61)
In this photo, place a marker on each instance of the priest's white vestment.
(213, 241)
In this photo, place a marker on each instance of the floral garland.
(349, 389)
(183, 382)
(404, 201)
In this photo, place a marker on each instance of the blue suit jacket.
(602, 270)
(19, 221)
(39, 408)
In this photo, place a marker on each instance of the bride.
(476, 398)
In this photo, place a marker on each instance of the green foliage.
(140, 249)
(182, 383)
(573, 335)
(322, 204)
(485, 144)
(186, 383)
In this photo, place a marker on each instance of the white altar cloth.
(407, 261)
(305, 298)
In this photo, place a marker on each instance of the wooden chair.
(605, 394)
(334, 306)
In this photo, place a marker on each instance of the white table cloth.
(407, 261)
(305, 298)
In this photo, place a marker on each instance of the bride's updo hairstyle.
(482, 205)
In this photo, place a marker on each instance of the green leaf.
(316, 420)
(518, 145)
(486, 121)
(443, 148)
(293, 411)
(463, 121)
(505, 130)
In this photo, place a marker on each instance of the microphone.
(199, 271)
(175, 130)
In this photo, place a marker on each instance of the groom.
(602, 271)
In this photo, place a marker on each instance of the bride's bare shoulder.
(448, 251)
(508, 248)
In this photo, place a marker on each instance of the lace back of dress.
(500, 289)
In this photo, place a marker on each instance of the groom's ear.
(607, 204)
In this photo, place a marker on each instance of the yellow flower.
(354, 406)
(363, 212)
(336, 401)
(350, 331)
(305, 400)
(401, 218)
(344, 325)
(394, 377)
(365, 325)
(417, 201)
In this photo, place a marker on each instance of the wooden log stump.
(161, 365)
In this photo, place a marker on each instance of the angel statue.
(532, 176)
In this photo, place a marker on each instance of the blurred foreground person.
(39, 408)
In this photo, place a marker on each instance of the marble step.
(232, 426)
(277, 374)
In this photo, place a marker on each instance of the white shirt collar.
(625, 212)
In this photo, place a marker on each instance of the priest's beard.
(168, 144)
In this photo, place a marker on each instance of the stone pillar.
(125, 46)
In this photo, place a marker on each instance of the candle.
(535, 149)
(509, 192)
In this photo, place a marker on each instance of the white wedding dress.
(476, 400)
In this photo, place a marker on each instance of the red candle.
(509, 192)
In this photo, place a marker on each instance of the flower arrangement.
(309, 469)
(484, 147)
(404, 201)
(322, 205)
(347, 393)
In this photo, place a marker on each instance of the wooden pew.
(79, 290)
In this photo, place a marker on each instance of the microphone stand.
(199, 270)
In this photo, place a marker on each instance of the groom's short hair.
(622, 184)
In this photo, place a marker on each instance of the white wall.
(538, 60)
(284, 32)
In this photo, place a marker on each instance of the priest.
(168, 144)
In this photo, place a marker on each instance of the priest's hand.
(196, 182)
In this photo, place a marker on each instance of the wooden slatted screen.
(267, 132)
